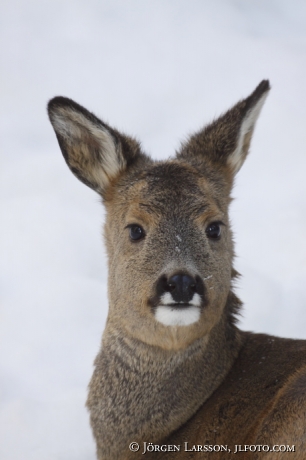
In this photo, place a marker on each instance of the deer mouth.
(167, 300)
(178, 305)
(177, 314)
(171, 309)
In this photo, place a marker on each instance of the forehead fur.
(171, 185)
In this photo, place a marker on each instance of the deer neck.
(142, 393)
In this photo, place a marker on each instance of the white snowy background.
(158, 70)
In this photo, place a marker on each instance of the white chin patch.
(171, 316)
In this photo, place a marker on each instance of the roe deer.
(174, 373)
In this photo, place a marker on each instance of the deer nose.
(182, 287)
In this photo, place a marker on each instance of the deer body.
(261, 402)
(173, 366)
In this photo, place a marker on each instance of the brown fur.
(163, 376)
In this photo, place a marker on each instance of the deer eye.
(136, 232)
(213, 230)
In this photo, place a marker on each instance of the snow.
(158, 70)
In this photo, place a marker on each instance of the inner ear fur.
(96, 153)
(226, 141)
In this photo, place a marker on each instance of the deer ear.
(95, 153)
(226, 141)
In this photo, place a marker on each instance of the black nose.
(182, 287)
